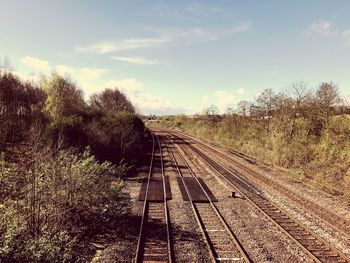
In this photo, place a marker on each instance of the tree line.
(56, 110)
(300, 128)
(62, 164)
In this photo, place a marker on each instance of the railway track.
(154, 237)
(329, 218)
(221, 241)
(314, 246)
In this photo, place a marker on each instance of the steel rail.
(144, 211)
(259, 205)
(140, 245)
(166, 211)
(329, 218)
(206, 238)
(233, 238)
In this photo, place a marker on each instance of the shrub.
(66, 195)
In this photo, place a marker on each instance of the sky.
(172, 57)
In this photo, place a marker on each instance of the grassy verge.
(323, 160)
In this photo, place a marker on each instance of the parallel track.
(221, 241)
(314, 246)
(154, 236)
(329, 218)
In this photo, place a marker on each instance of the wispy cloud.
(164, 37)
(136, 60)
(324, 28)
(106, 47)
(321, 27)
(36, 63)
(201, 10)
(192, 11)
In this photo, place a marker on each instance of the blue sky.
(180, 56)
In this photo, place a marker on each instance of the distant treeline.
(302, 129)
(55, 109)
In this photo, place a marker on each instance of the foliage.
(63, 97)
(111, 101)
(20, 107)
(116, 136)
(305, 131)
(65, 194)
(59, 193)
(108, 124)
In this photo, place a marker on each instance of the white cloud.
(36, 63)
(87, 78)
(225, 98)
(91, 74)
(33, 78)
(323, 28)
(136, 60)
(64, 70)
(86, 74)
(145, 102)
(91, 80)
(124, 44)
(164, 37)
(205, 98)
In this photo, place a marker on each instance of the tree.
(327, 96)
(243, 107)
(111, 100)
(20, 107)
(297, 100)
(265, 103)
(64, 99)
(212, 110)
(65, 108)
(212, 113)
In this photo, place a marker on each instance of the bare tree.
(212, 113)
(327, 97)
(212, 110)
(265, 102)
(299, 97)
(243, 107)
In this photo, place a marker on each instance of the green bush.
(66, 195)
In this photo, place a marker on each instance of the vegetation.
(62, 161)
(305, 131)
